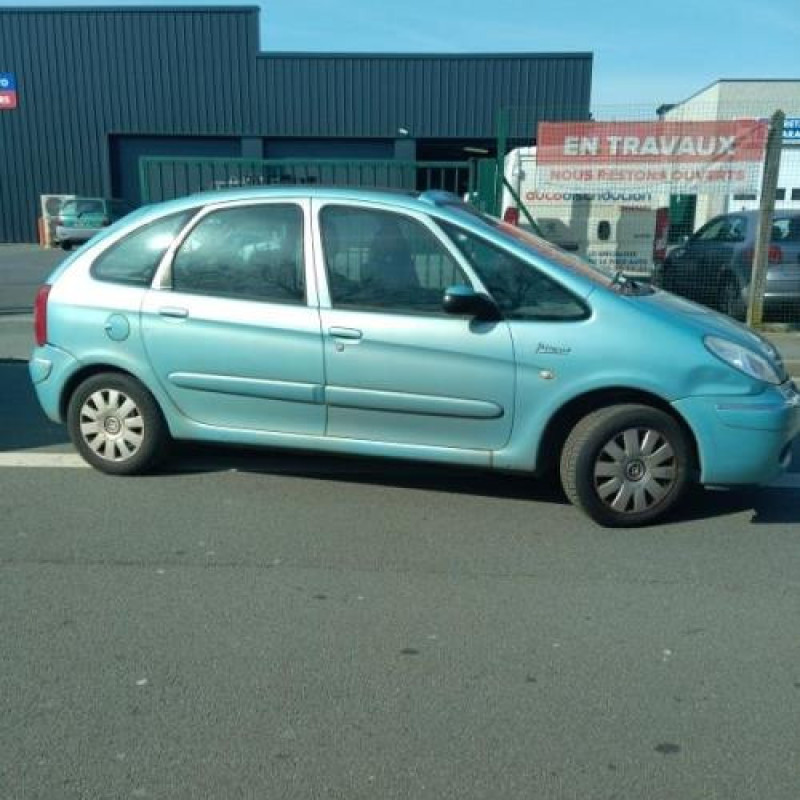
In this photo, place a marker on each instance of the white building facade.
(748, 99)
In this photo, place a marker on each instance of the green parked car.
(83, 217)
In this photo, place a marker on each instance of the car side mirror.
(465, 301)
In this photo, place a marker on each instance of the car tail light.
(40, 315)
(511, 215)
(774, 254)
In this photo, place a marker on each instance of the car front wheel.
(116, 424)
(626, 465)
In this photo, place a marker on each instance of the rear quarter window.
(133, 260)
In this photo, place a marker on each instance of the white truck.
(614, 229)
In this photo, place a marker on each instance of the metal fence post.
(502, 138)
(769, 185)
(144, 189)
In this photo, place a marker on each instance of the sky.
(645, 53)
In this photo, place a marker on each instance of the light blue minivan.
(406, 326)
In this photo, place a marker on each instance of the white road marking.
(48, 460)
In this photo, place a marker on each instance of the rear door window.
(786, 229)
(249, 253)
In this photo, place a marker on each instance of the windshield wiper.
(621, 280)
(629, 285)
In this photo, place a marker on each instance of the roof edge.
(193, 9)
(719, 81)
(373, 54)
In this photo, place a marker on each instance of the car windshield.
(88, 206)
(543, 249)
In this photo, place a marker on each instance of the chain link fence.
(697, 198)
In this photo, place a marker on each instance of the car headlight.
(743, 359)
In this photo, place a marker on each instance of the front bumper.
(744, 440)
(50, 368)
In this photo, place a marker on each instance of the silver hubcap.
(635, 470)
(112, 425)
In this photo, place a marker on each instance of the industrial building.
(86, 92)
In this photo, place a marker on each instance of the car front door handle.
(174, 312)
(345, 333)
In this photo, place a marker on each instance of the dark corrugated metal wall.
(83, 75)
(431, 96)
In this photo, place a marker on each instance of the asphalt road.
(23, 268)
(263, 625)
(268, 625)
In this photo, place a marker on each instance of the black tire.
(730, 298)
(67, 246)
(626, 465)
(116, 424)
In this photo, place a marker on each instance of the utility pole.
(769, 185)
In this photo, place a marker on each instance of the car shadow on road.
(23, 425)
(768, 506)
(362, 470)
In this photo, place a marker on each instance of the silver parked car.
(713, 266)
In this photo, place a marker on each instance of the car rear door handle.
(345, 333)
(173, 311)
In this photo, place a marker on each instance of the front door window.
(381, 261)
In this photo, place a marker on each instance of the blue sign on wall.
(791, 129)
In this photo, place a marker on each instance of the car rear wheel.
(626, 465)
(116, 424)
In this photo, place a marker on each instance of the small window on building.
(604, 230)
(134, 259)
(780, 194)
(795, 194)
(745, 196)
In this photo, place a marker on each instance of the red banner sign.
(714, 157)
